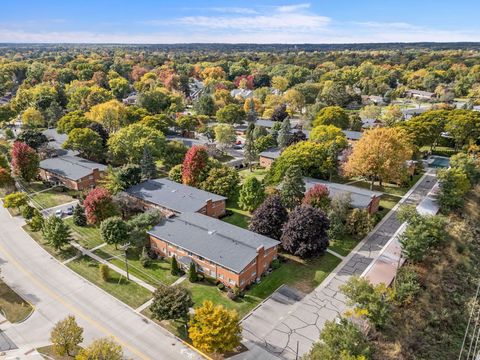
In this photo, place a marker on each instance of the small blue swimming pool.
(439, 162)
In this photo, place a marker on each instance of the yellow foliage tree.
(280, 83)
(214, 329)
(110, 114)
(32, 118)
(380, 155)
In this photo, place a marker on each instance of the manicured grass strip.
(51, 198)
(303, 275)
(258, 173)
(127, 291)
(343, 245)
(239, 217)
(50, 353)
(12, 305)
(203, 290)
(88, 236)
(66, 253)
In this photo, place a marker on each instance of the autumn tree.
(25, 161)
(32, 118)
(305, 232)
(371, 112)
(222, 181)
(72, 120)
(15, 200)
(317, 196)
(225, 135)
(332, 115)
(231, 114)
(194, 165)
(214, 329)
(252, 194)
(391, 115)
(110, 114)
(56, 232)
(101, 349)
(99, 205)
(380, 155)
(329, 134)
(269, 217)
(171, 303)
(6, 180)
(279, 113)
(66, 336)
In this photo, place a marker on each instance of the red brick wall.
(265, 162)
(374, 205)
(253, 271)
(84, 183)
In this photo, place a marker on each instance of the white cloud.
(292, 8)
(234, 10)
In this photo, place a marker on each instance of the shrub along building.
(225, 252)
(72, 172)
(360, 198)
(171, 197)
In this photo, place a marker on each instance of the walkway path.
(281, 328)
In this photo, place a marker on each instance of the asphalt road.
(56, 291)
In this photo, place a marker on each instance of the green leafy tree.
(171, 303)
(175, 270)
(32, 138)
(225, 135)
(114, 230)
(119, 87)
(87, 142)
(56, 232)
(15, 200)
(391, 115)
(252, 194)
(359, 223)
(231, 114)
(340, 340)
(467, 163)
(372, 301)
(175, 173)
(222, 181)
(66, 336)
(205, 105)
(36, 222)
(264, 142)
(32, 118)
(284, 134)
(332, 115)
(249, 150)
(72, 120)
(454, 185)
(293, 187)
(329, 134)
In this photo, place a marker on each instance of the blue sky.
(261, 21)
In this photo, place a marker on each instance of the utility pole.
(125, 248)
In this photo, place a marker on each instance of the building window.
(242, 282)
(170, 253)
(200, 258)
(231, 281)
(190, 254)
(254, 261)
(154, 245)
(212, 273)
(90, 177)
(254, 273)
(220, 276)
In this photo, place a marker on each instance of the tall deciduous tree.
(114, 230)
(214, 329)
(381, 155)
(293, 187)
(101, 349)
(56, 232)
(87, 142)
(252, 194)
(231, 114)
(269, 217)
(171, 303)
(25, 161)
(332, 115)
(305, 232)
(454, 184)
(317, 196)
(194, 165)
(99, 205)
(222, 181)
(110, 114)
(32, 138)
(225, 135)
(66, 336)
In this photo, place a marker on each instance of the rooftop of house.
(352, 135)
(244, 93)
(271, 153)
(56, 141)
(172, 195)
(222, 243)
(420, 92)
(188, 142)
(361, 198)
(71, 167)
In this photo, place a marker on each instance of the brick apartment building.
(72, 172)
(267, 157)
(225, 252)
(170, 196)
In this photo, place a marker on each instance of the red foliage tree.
(194, 164)
(99, 205)
(138, 72)
(25, 161)
(248, 81)
(317, 196)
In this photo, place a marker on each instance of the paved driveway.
(282, 326)
(56, 291)
(63, 207)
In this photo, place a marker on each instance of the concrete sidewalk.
(281, 328)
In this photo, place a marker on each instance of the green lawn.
(51, 198)
(12, 305)
(391, 189)
(259, 173)
(303, 275)
(34, 186)
(343, 245)
(202, 291)
(127, 291)
(66, 253)
(158, 272)
(239, 217)
(87, 236)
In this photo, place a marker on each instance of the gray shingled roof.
(56, 141)
(172, 195)
(227, 245)
(71, 167)
(361, 198)
(272, 153)
(352, 135)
